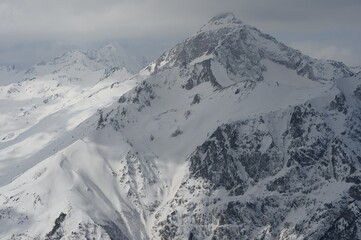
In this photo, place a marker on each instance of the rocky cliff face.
(252, 181)
(228, 135)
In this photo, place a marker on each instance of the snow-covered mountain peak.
(229, 135)
(105, 60)
(111, 46)
(223, 17)
(114, 55)
(273, 125)
(240, 49)
(220, 21)
(356, 69)
(69, 57)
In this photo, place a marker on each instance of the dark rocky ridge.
(235, 159)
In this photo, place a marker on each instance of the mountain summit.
(240, 49)
(224, 18)
(228, 135)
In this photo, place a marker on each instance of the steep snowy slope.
(50, 86)
(50, 99)
(228, 135)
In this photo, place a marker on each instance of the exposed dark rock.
(176, 133)
(357, 93)
(345, 226)
(114, 231)
(296, 123)
(200, 74)
(355, 192)
(196, 99)
(221, 158)
(339, 103)
(56, 233)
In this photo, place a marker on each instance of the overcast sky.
(35, 30)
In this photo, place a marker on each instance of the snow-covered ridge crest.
(78, 65)
(239, 48)
(220, 21)
(356, 69)
(112, 55)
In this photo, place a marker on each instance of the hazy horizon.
(41, 30)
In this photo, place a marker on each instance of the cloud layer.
(73, 23)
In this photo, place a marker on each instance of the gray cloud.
(154, 25)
